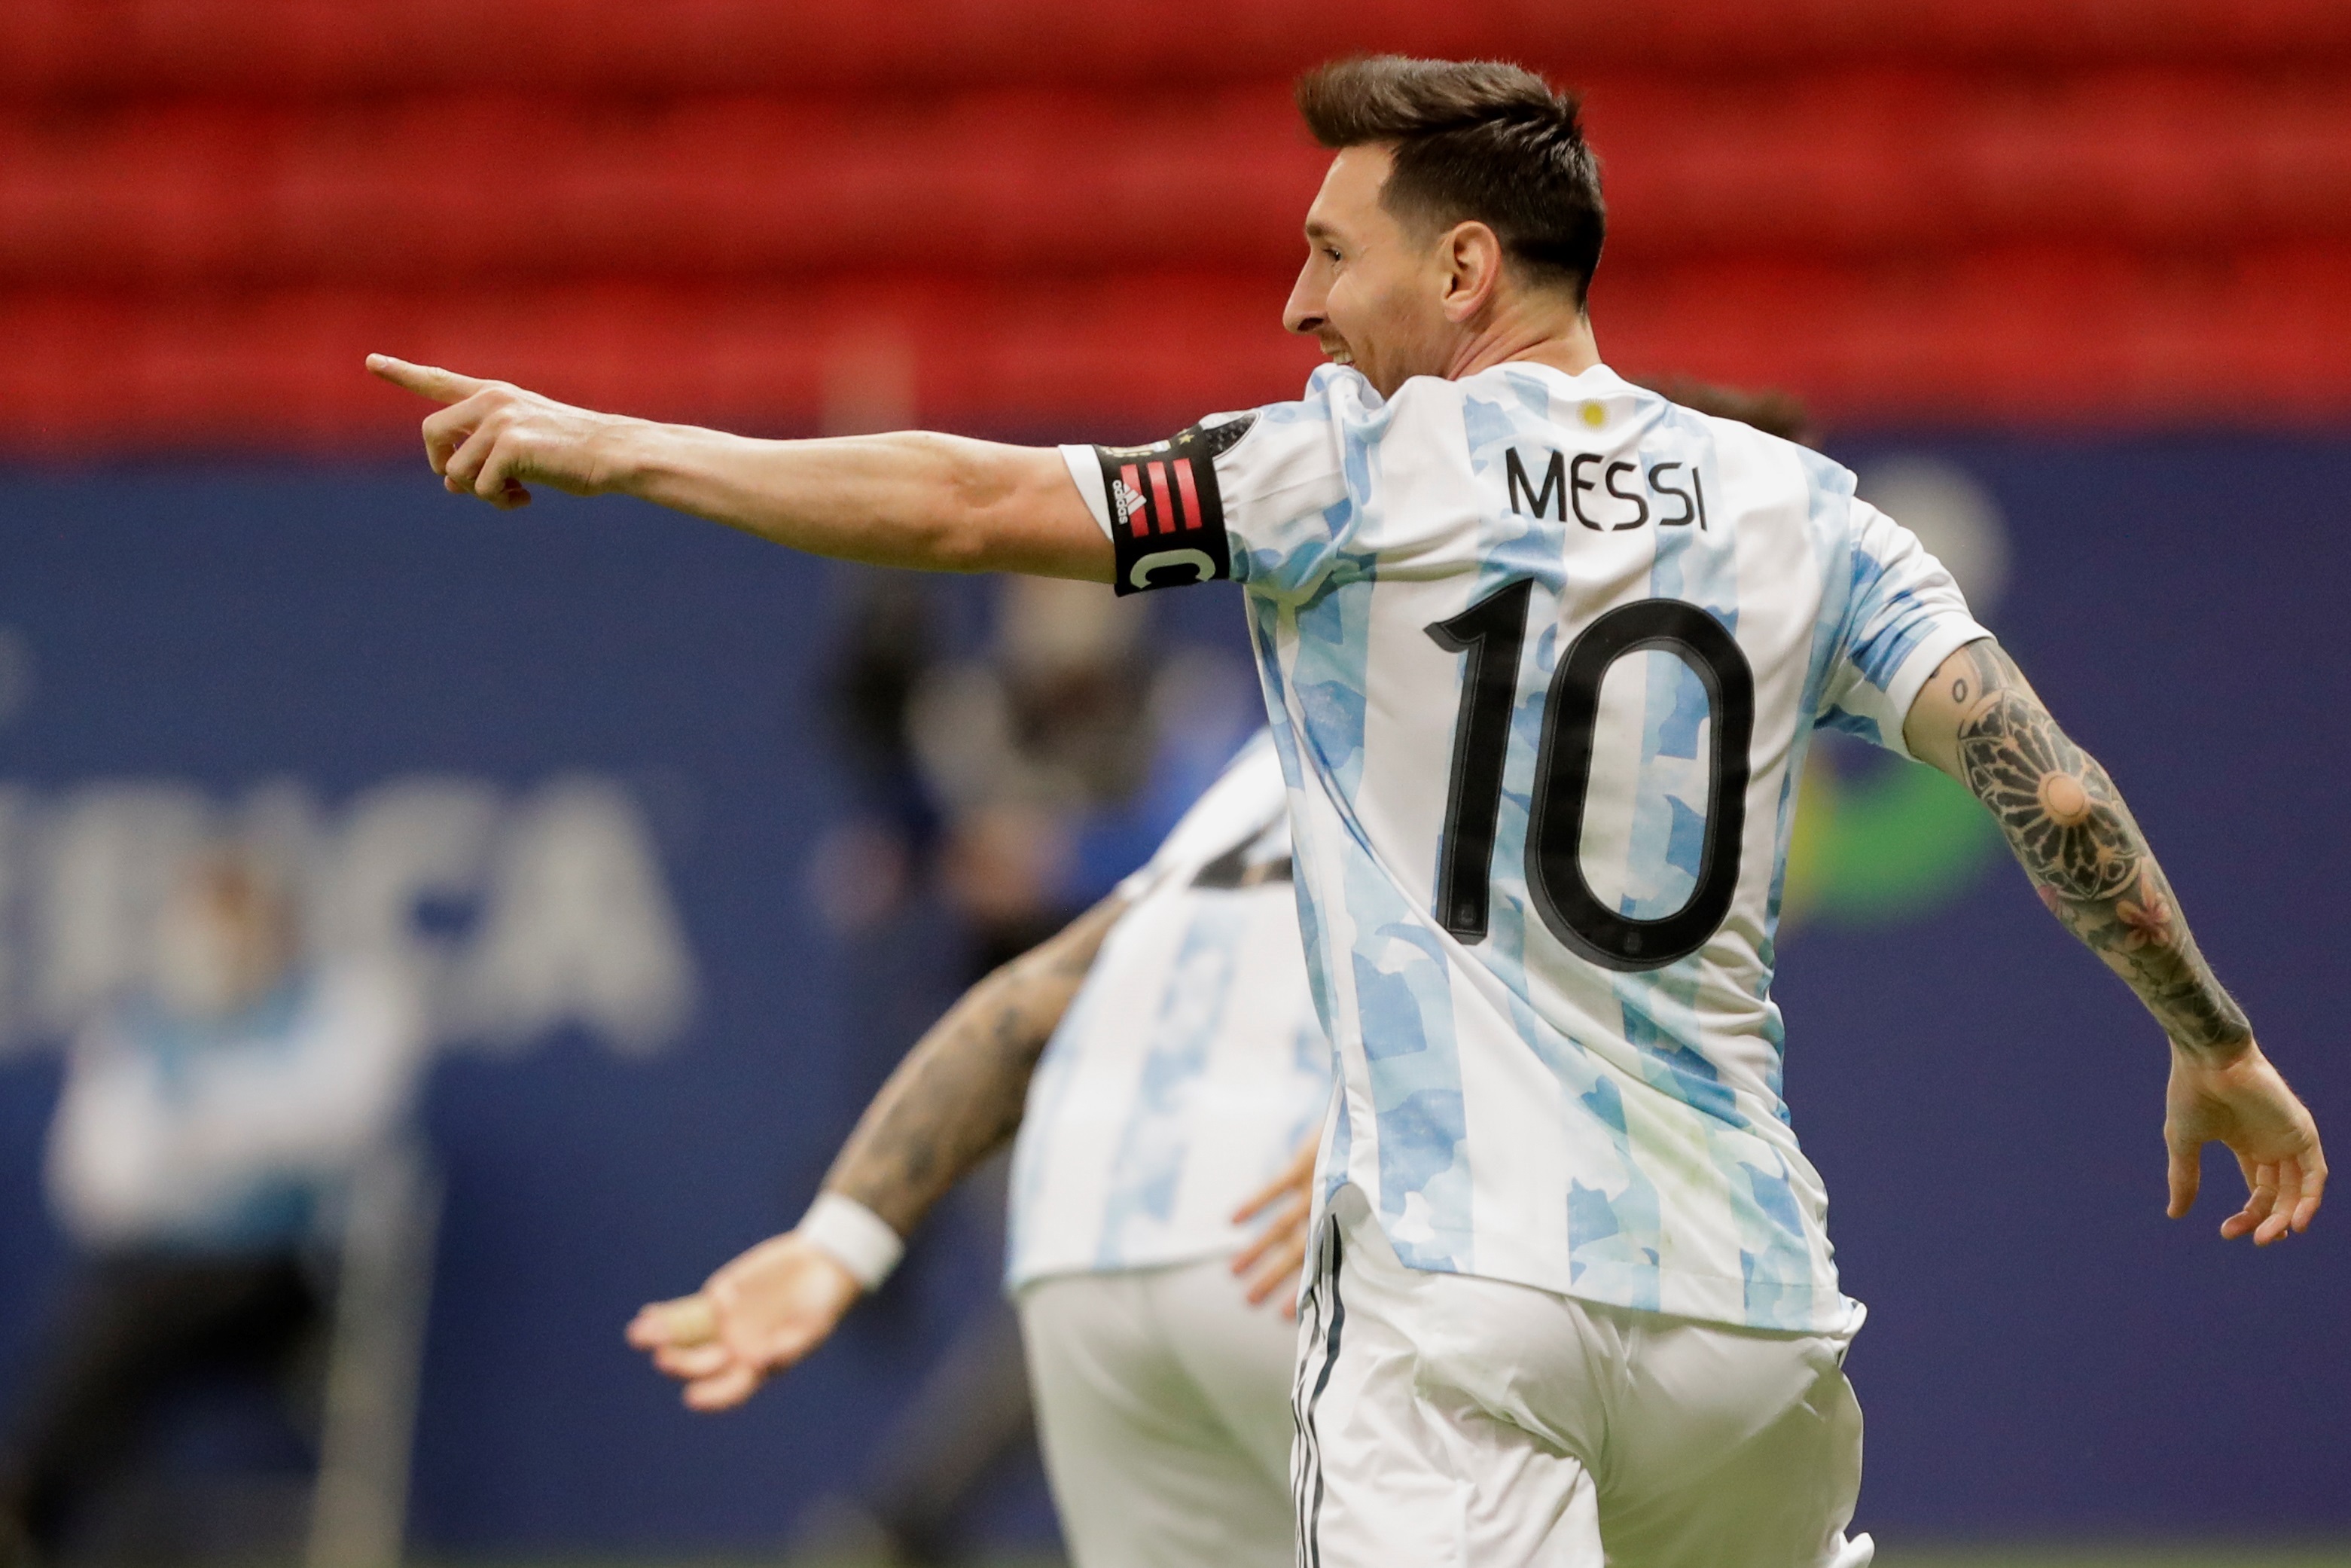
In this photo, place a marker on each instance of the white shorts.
(1444, 1419)
(1163, 1410)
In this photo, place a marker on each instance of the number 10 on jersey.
(1490, 635)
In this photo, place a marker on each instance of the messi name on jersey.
(1170, 529)
(1611, 488)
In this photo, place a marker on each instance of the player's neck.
(1527, 331)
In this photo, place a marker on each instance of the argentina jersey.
(1190, 1066)
(1543, 654)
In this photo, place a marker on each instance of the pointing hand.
(493, 439)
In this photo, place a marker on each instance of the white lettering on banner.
(406, 845)
(578, 928)
(512, 915)
(102, 860)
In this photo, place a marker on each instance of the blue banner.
(572, 770)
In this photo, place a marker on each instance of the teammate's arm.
(955, 1100)
(938, 503)
(1979, 721)
(957, 1097)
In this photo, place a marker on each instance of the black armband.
(1168, 516)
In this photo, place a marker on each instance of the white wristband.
(859, 1240)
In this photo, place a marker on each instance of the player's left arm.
(1979, 720)
(938, 503)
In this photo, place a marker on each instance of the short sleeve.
(1258, 498)
(1904, 616)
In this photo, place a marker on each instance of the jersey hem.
(1018, 1280)
(1679, 1292)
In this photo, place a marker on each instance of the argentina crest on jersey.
(1168, 527)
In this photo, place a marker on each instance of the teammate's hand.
(495, 440)
(1272, 1261)
(756, 1316)
(2247, 1106)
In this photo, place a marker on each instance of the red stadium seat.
(1940, 211)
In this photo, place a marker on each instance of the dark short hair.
(1474, 140)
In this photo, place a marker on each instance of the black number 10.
(1491, 632)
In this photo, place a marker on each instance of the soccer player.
(1542, 652)
(1182, 1067)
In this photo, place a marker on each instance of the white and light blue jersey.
(1191, 1065)
(1543, 654)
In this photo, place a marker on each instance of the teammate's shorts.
(1450, 1420)
(1162, 1409)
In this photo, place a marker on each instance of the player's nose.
(1303, 311)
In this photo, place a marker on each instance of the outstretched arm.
(1979, 721)
(954, 1100)
(940, 503)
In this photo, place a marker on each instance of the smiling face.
(1375, 291)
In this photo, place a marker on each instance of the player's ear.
(1472, 260)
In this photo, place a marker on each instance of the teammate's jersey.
(1543, 654)
(1191, 1065)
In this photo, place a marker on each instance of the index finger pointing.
(425, 381)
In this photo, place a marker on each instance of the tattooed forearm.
(959, 1094)
(2080, 847)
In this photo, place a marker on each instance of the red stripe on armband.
(1191, 495)
(1137, 523)
(1159, 496)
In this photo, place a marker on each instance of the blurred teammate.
(1181, 1069)
(1543, 653)
(1056, 758)
(202, 1148)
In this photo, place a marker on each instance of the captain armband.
(1167, 515)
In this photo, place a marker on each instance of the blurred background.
(479, 924)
